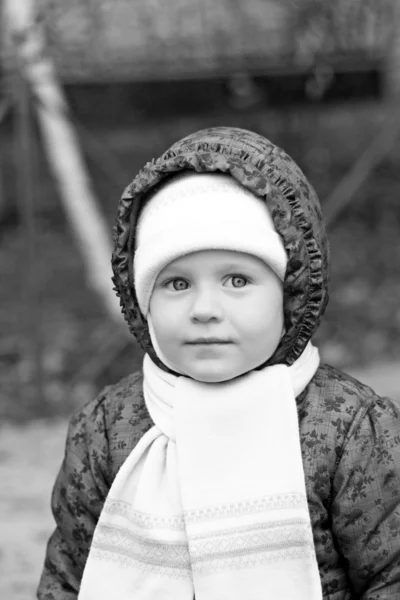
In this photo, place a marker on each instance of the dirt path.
(30, 457)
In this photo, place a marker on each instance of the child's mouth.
(207, 341)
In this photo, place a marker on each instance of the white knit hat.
(202, 211)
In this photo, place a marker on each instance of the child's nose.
(206, 306)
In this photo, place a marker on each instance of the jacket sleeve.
(366, 505)
(77, 499)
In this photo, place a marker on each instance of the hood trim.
(294, 209)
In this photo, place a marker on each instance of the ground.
(30, 456)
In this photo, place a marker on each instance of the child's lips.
(203, 341)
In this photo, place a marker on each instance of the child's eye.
(238, 281)
(177, 284)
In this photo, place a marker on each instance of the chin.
(213, 377)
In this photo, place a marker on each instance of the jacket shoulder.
(332, 409)
(343, 397)
(334, 390)
(116, 418)
(114, 402)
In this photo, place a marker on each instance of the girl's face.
(217, 314)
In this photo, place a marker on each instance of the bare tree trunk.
(63, 151)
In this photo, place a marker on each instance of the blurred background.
(90, 90)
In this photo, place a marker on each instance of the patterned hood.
(293, 204)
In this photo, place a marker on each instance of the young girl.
(235, 465)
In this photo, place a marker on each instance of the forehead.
(214, 260)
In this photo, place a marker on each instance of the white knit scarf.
(212, 501)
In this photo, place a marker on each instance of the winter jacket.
(350, 437)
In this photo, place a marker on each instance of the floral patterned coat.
(350, 437)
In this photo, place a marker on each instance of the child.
(236, 466)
